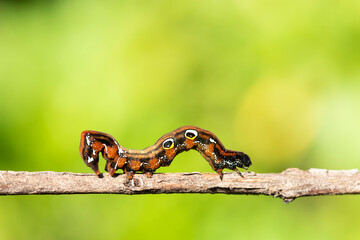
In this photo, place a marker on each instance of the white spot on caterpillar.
(119, 148)
(90, 159)
(144, 163)
(214, 155)
(88, 140)
(116, 164)
(202, 145)
(212, 140)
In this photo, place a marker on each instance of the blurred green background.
(279, 80)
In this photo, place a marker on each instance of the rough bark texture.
(288, 185)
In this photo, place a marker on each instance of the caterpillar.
(160, 154)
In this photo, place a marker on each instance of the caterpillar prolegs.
(160, 154)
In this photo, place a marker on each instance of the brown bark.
(288, 185)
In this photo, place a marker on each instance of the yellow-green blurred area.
(279, 80)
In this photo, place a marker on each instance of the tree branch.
(288, 185)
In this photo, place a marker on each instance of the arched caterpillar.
(161, 153)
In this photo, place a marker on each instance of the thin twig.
(288, 185)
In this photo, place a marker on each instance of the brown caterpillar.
(161, 153)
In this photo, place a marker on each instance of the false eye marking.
(191, 134)
(168, 143)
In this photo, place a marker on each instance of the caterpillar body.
(160, 154)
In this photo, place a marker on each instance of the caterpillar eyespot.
(168, 143)
(191, 134)
(92, 143)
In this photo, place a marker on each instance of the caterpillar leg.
(221, 174)
(237, 170)
(130, 174)
(95, 167)
(149, 174)
(111, 170)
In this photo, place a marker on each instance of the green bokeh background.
(279, 80)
